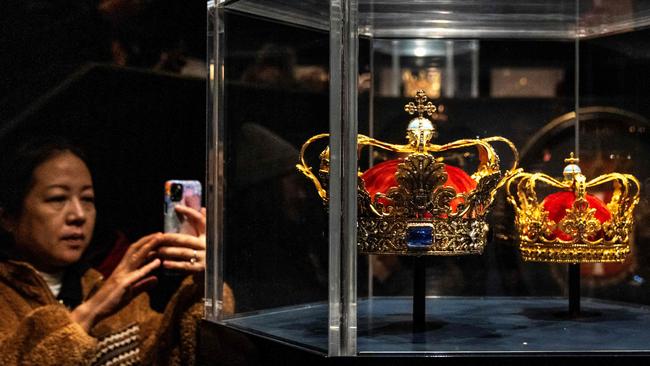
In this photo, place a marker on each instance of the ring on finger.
(194, 257)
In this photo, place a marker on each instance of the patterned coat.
(35, 329)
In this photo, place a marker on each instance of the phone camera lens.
(176, 192)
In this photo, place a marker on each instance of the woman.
(56, 311)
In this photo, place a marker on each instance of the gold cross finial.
(421, 107)
(571, 159)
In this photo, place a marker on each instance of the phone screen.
(180, 192)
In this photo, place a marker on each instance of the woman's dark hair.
(18, 162)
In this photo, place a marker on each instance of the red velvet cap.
(557, 203)
(381, 177)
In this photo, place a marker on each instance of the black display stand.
(419, 296)
(574, 290)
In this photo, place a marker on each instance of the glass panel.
(215, 117)
(342, 187)
(275, 232)
(614, 127)
(465, 19)
(342, 177)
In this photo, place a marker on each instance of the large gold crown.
(417, 204)
(572, 225)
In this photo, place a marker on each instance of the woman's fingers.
(141, 272)
(183, 252)
(143, 241)
(180, 253)
(137, 252)
(182, 258)
(184, 265)
(182, 240)
(144, 270)
(151, 255)
(142, 252)
(143, 285)
(171, 250)
(196, 218)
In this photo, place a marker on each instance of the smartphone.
(181, 192)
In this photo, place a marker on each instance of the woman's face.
(58, 217)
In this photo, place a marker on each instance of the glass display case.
(307, 99)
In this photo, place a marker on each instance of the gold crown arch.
(589, 239)
(416, 217)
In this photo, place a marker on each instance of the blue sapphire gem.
(419, 237)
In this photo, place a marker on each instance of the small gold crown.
(417, 205)
(573, 226)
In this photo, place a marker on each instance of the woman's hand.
(132, 275)
(182, 251)
(130, 278)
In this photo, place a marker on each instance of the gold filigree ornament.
(417, 204)
(573, 226)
